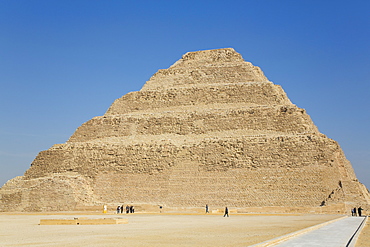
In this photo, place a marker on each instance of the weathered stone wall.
(210, 154)
(53, 192)
(236, 188)
(254, 94)
(251, 171)
(287, 119)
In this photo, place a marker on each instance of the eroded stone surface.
(211, 129)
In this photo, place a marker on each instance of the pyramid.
(210, 129)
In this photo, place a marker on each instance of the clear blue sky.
(64, 62)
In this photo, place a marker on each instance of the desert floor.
(153, 229)
(364, 238)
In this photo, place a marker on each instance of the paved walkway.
(336, 234)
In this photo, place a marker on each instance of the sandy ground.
(154, 230)
(364, 238)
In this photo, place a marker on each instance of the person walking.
(207, 209)
(226, 212)
(359, 210)
(355, 211)
(118, 209)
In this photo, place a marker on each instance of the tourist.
(122, 209)
(359, 210)
(226, 212)
(131, 209)
(127, 209)
(207, 208)
(354, 211)
(118, 209)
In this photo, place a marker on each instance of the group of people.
(129, 209)
(355, 211)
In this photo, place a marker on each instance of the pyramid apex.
(215, 56)
(206, 67)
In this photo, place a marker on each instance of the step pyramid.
(210, 129)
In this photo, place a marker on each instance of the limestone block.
(84, 221)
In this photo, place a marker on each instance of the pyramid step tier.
(286, 119)
(252, 93)
(175, 77)
(157, 153)
(214, 168)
